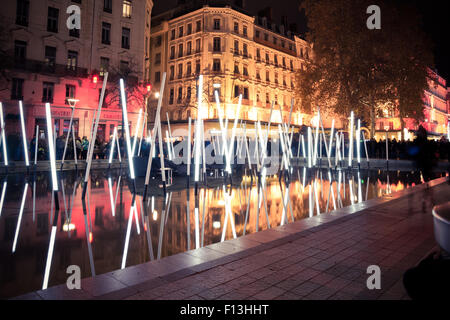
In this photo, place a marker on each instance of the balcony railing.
(35, 66)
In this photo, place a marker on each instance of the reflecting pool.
(104, 233)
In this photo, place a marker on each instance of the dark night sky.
(436, 20)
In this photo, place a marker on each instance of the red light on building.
(148, 87)
(94, 78)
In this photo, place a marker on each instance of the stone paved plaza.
(323, 257)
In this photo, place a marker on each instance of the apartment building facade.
(436, 114)
(48, 62)
(237, 54)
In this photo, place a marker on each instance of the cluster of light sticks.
(223, 147)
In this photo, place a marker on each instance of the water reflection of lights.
(155, 215)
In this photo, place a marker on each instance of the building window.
(257, 33)
(275, 40)
(276, 78)
(216, 65)
(266, 37)
(22, 12)
(52, 19)
(188, 94)
(245, 71)
(180, 31)
(180, 50)
(47, 92)
(172, 72)
(125, 38)
(172, 34)
(244, 31)
(236, 47)
(50, 56)
(189, 29)
(180, 71)
(17, 89)
(267, 58)
(267, 97)
(124, 67)
(290, 46)
(180, 94)
(275, 59)
(72, 60)
(172, 52)
(236, 68)
(216, 44)
(236, 91)
(106, 33)
(70, 92)
(216, 24)
(282, 43)
(258, 54)
(158, 41)
(198, 26)
(276, 99)
(258, 75)
(267, 76)
(157, 59)
(197, 67)
(20, 51)
(197, 45)
(104, 65)
(284, 62)
(245, 95)
(107, 6)
(292, 65)
(189, 48)
(157, 77)
(244, 50)
(126, 9)
(171, 96)
(74, 33)
(236, 27)
(188, 69)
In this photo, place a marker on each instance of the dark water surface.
(95, 239)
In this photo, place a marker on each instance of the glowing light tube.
(233, 135)
(51, 146)
(49, 258)
(350, 147)
(358, 141)
(127, 129)
(189, 148)
(22, 204)
(331, 139)
(2, 124)
(127, 238)
(136, 132)
(24, 134)
(113, 207)
(36, 145)
(197, 130)
(113, 143)
(3, 196)
(309, 147)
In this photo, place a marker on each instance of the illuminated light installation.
(113, 207)
(24, 134)
(316, 141)
(5, 183)
(233, 135)
(309, 147)
(331, 142)
(72, 103)
(94, 133)
(350, 147)
(169, 152)
(198, 144)
(189, 148)
(19, 220)
(365, 147)
(133, 149)
(228, 215)
(51, 147)
(36, 144)
(127, 129)
(358, 142)
(113, 142)
(2, 124)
